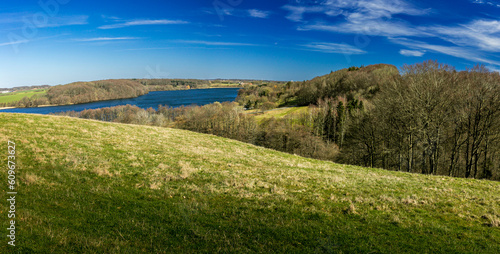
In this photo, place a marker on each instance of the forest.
(427, 118)
(83, 92)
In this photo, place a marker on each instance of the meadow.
(17, 96)
(98, 187)
(276, 113)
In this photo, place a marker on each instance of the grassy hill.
(88, 186)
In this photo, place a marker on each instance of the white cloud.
(355, 10)
(215, 43)
(13, 43)
(416, 53)
(374, 17)
(494, 69)
(107, 39)
(110, 18)
(490, 3)
(297, 12)
(460, 52)
(142, 22)
(335, 48)
(484, 34)
(372, 28)
(258, 13)
(387, 18)
(66, 21)
(41, 20)
(241, 13)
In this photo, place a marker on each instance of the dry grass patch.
(162, 173)
(186, 169)
(102, 169)
(29, 179)
(351, 209)
(493, 220)
(413, 200)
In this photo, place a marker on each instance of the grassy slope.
(276, 113)
(17, 96)
(88, 186)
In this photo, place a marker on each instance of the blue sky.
(61, 41)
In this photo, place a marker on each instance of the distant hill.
(353, 81)
(83, 92)
(24, 88)
(95, 187)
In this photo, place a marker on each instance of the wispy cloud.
(373, 18)
(416, 53)
(490, 3)
(142, 22)
(10, 18)
(388, 18)
(214, 43)
(371, 28)
(483, 34)
(494, 69)
(335, 48)
(297, 12)
(67, 21)
(13, 43)
(23, 18)
(460, 52)
(137, 49)
(242, 13)
(110, 18)
(258, 13)
(355, 10)
(106, 39)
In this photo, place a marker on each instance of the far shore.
(39, 106)
(42, 106)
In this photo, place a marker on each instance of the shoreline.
(43, 106)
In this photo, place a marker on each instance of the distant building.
(4, 91)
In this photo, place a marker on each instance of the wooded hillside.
(83, 92)
(431, 119)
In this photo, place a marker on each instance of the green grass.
(276, 113)
(95, 187)
(17, 96)
(215, 84)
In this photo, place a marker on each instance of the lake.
(151, 100)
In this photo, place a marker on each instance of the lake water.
(152, 100)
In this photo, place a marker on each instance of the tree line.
(432, 120)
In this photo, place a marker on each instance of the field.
(17, 96)
(276, 113)
(96, 187)
(224, 84)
